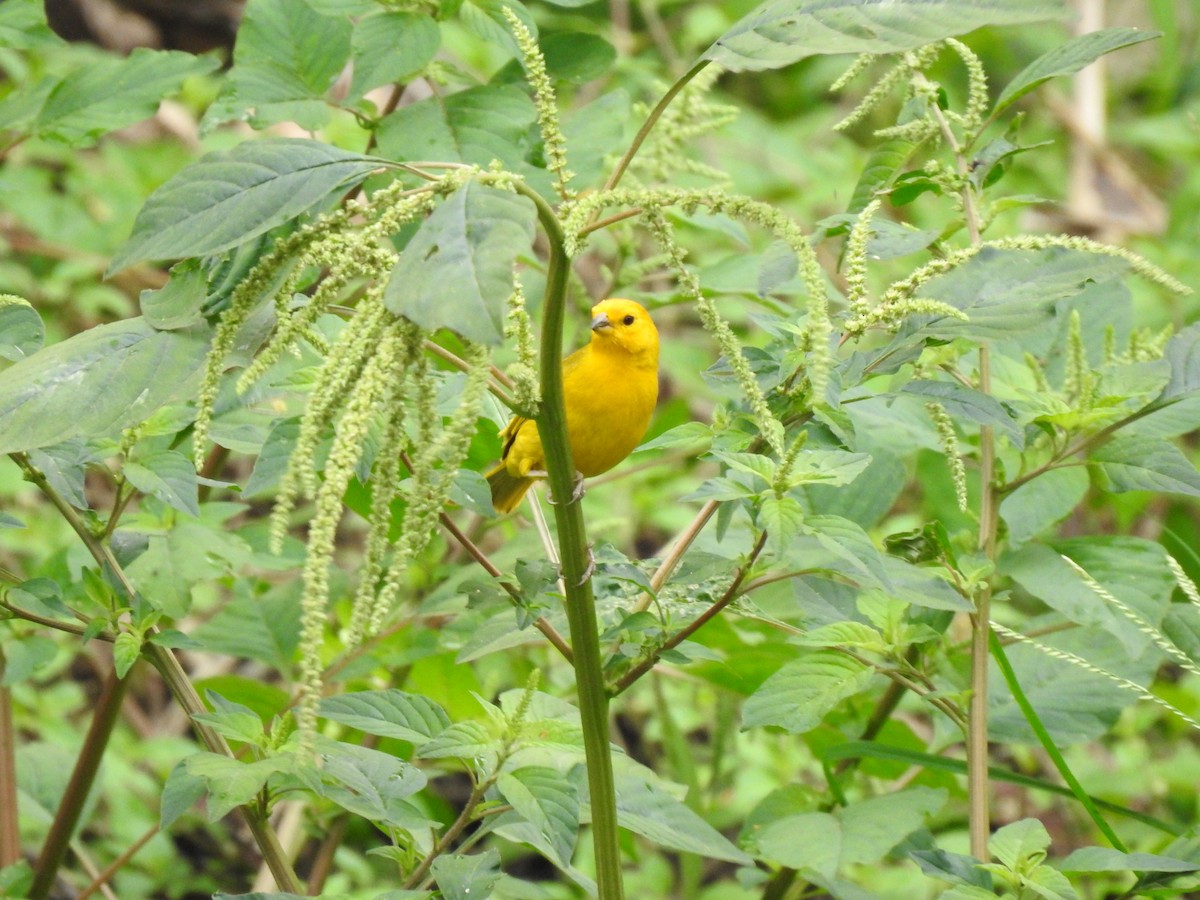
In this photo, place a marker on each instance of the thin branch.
(695, 625)
(59, 625)
(651, 120)
(117, 864)
(541, 623)
(451, 835)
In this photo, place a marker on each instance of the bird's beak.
(601, 321)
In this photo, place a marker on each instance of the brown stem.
(452, 833)
(541, 623)
(106, 712)
(692, 627)
(10, 844)
(113, 867)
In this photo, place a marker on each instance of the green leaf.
(1043, 502)
(474, 126)
(231, 782)
(882, 166)
(467, 877)
(95, 384)
(695, 435)
(231, 719)
(1019, 843)
(548, 802)
(1106, 859)
(485, 19)
(465, 740)
(457, 271)
(782, 518)
(21, 330)
(1146, 464)
(987, 166)
(577, 57)
(23, 26)
(266, 628)
(962, 401)
(1067, 59)
(389, 713)
(168, 475)
(800, 694)
(1008, 293)
(24, 657)
(180, 793)
(113, 92)
(761, 467)
(648, 810)
(65, 467)
(272, 461)
(227, 198)
(126, 650)
(368, 783)
(812, 841)
(862, 832)
(1074, 704)
(177, 304)
(391, 47)
(286, 57)
(1133, 569)
(1183, 353)
(780, 32)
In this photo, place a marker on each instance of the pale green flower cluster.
(949, 441)
(545, 102)
(375, 390)
(524, 371)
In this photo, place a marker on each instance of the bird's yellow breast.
(610, 387)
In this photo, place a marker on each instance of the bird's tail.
(507, 490)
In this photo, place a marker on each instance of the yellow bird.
(610, 387)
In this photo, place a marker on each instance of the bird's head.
(625, 325)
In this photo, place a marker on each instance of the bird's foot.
(577, 491)
(591, 568)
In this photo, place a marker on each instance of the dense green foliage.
(897, 599)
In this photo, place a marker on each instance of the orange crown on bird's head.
(625, 324)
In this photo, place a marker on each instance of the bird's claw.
(577, 491)
(590, 570)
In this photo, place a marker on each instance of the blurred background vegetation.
(1122, 163)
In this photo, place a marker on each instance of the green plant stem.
(1047, 741)
(185, 695)
(107, 710)
(456, 828)
(651, 120)
(978, 789)
(172, 674)
(10, 844)
(576, 561)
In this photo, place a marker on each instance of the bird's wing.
(509, 435)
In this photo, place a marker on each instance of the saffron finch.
(610, 387)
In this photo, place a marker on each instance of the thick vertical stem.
(977, 719)
(978, 785)
(575, 556)
(104, 718)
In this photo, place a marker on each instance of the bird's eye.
(628, 320)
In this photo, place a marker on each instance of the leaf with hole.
(457, 271)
